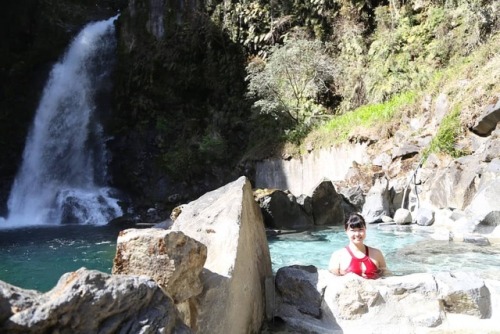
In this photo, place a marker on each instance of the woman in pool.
(357, 258)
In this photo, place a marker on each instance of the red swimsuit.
(371, 270)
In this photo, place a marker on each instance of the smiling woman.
(357, 258)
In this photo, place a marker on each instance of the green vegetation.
(446, 137)
(287, 86)
(380, 60)
(366, 116)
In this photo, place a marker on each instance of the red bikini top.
(356, 265)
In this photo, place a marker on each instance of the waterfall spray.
(63, 174)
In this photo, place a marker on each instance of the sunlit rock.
(424, 216)
(464, 293)
(377, 201)
(402, 217)
(89, 301)
(403, 304)
(229, 223)
(172, 259)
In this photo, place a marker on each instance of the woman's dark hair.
(355, 220)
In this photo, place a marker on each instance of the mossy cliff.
(180, 115)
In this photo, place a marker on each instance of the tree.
(288, 85)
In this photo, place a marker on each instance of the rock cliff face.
(180, 109)
(392, 174)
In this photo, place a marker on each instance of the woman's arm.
(378, 256)
(334, 265)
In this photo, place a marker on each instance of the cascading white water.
(63, 175)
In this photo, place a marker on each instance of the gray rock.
(488, 120)
(424, 217)
(14, 299)
(405, 151)
(403, 217)
(229, 223)
(377, 202)
(171, 258)
(281, 211)
(296, 286)
(327, 205)
(88, 301)
(464, 293)
(382, 160)
(355, 196)
(476, 239)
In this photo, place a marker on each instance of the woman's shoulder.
(375, 253)
(338, 253)
(373, 249)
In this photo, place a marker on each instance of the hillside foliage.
(232, 81)
(369, 52)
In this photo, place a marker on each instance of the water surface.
(405, 252)
(36, 257)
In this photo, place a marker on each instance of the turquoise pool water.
(35, 258)
(405, 252)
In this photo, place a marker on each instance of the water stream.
(63, 177)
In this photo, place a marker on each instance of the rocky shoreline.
(210, 272)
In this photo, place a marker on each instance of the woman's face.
(356, 235)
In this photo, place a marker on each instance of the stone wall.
(300, 175)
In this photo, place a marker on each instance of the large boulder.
(327, 205)
(377, 201)
(453, 186)
(282, 211)
(229, 222)
(89, 301)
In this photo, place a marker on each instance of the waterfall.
(63, 174)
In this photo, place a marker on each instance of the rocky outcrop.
(88, 301)
(327, 205)
(488, 121)
(315, 301)
(229, 223)
(281, 210)
(171, 258)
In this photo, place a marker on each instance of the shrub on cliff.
(289, 84)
